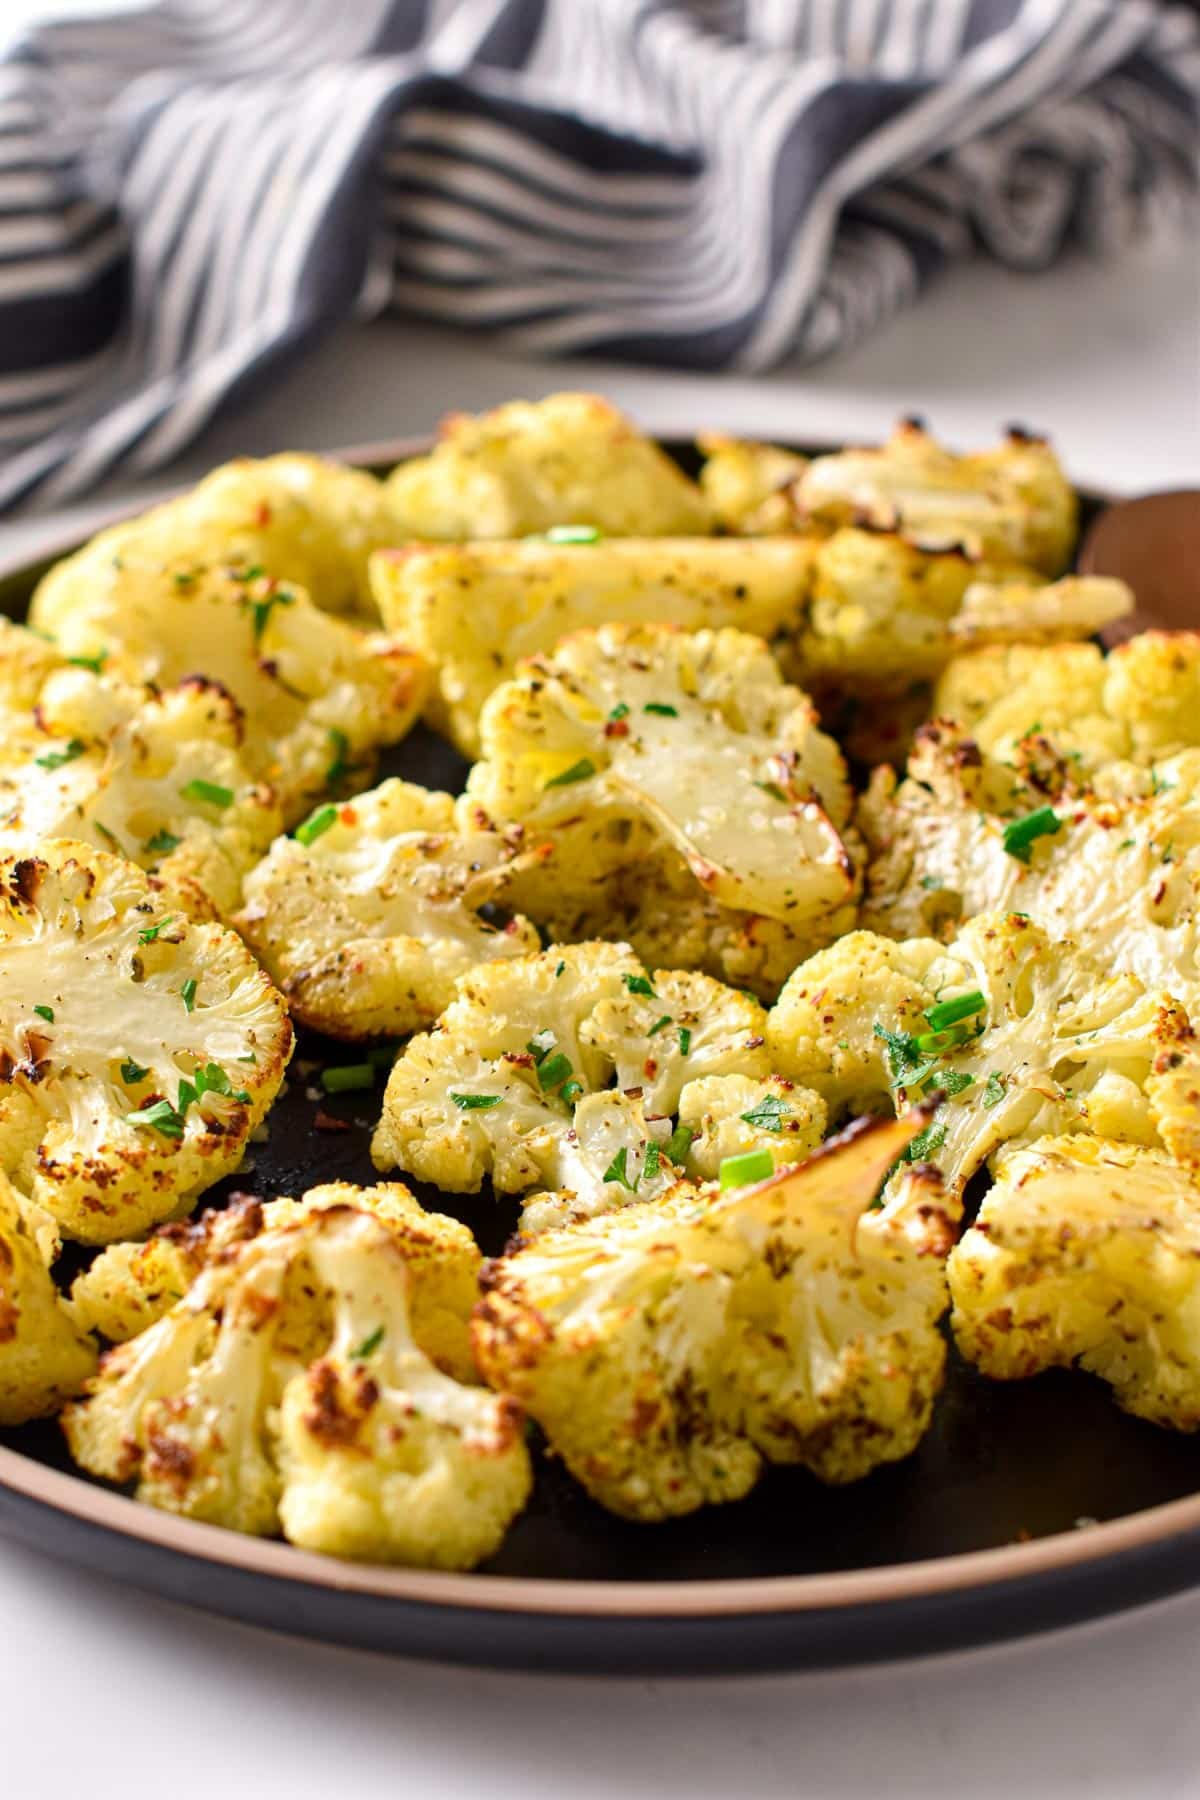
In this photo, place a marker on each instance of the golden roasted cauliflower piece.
(138, 1048)
(1022, 1034)
(316, 696)
(477, 610)
(1086, 1253)
(733, 1115)
(367, 920)
(632, 739)
(44, 1356)
(750, 486)
(571, 459)
(294, 517)
(669, 1349)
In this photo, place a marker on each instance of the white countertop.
(105, 1693)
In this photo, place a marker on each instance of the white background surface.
(106, 1693)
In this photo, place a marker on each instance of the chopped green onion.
(769, 1114)
(661, 710)
(340, 766)
(1021, 834)
(658, 1025)
(316, 825)
(45, 1012)
(560, 970)
(369, 1345)
(553, 1070)
(950, 1012)
(132, 1073)
(619, 711)
(474, 1102)
(160, 1117)
(639, 984)
(148, 935)
(187, 993)
(679, 1143)
(94, 663)
(574, 534)
(616, 1171)
(571, 1091)
(685, 1040)
(650, 1161)
(208, 793)
(579, 771)
(348, 1078)
(936, 1043)
(54, 759)
(743, 1171)
(993, 1092)
(162, 843)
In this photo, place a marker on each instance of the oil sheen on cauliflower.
(671, 1349)
(631, 739)
(287, 1390)
(130, 1286)
(1024, 1035)
(477, 610)
(1139, 703)
(138, 1048)
(1120, 874)
(367, 926)
(1086, 1253)
(571, 459)
(44, 1356)
(750, 486)
(506, 1087)
(316, 697)
(296, 518)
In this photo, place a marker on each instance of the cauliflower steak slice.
(667, 1351)
(138, 1048)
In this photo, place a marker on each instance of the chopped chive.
(950, 1012)
(571, 1091)
(132, 1073)
(936, 1043)
(148, 935)
(45, 1012)
(208, 793)
(743, 1171)
(475, 1102)
(369, 1345)
(650, 1161)
(54, 759)
(661, 710)
(316, 825)
(560, 970)
(639, 984)
(1021, 834)
(348, 1078)
(574, 534)
(161, 1117)
(679, 1143)
(187, 993)
(685, 1040)
(616, 1171)
(94, 663)
(993, 1092)
(162, 843)
(619, 711)
(769, 1114)
(339, 768)
(553, 1070)
(110, 837)
(579, 771)
(658, 1025)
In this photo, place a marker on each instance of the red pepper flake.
(323, 1121)
(262, 513)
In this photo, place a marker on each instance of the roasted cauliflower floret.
(732, 1115)
(296, 518)
(316, 696)
(959, 836)
(367, 920)
(1140, 703)
(383, 1457)
(493, 1089)
(44, 1356)
(612, 1155)
(571, 459)
(1022, 1034)
(1077, 606)
(750, 486)
(477, 610)
(129, 1286)
(1013, 503)
(1086, 1253)
(166, 786)
(138, 1048)
(27, 661)
(668, 1349)
(629, 739)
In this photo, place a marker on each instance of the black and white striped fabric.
(188, 194)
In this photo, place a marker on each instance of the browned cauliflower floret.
(671, 1348)
(1086, 1253)
(476, 610)
(750, 487)
(138, 1048)
(367, 918)
(733, 1115)
(571, 459)
(44, 1356)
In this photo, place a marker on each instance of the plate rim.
(1148, 1529)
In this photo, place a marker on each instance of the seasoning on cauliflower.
(962, 835)
(1024, 1036)
(750, 486)
(165, 787)
(1012, 503)
(44, 1357)
(669, 1349)
(477, 610)
(733, 1115)
(1139, 703)
(611, 1155)
(286, 1389)
(493, 1089)
(1077, 606)
(316, 696)
(138, 1048)
(1086, 1253)
(571, 459)
(297, 518)
(631, 738)
(129, 1286)
(368, 918)
(27, 660)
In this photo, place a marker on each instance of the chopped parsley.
(769, 1114)
(639, 984)
(571, 1091)
(685, 1040)
(150, 932)
(955, 1081)
(348, 1078)
(211, 1079)
(45, 1012)
(993, 1092)
(661, 709)
(369, 1345)
(925, 1143)
(541, 1044)
(316, 825)
(476, 1102)
(773, 788)
(619, 711)
(679, 1143)
(94, 663)
(54, 759)
(616, 1171)
(208, 793)
(742, 1171)
(902, 1053)
(187, 994)
(1021, 834)
(580, 771)
(161, 1117)
(339, 768)
(650, 1161)
(552, 1071)
(162, 843)
(132, 1073)
(930, 882)
(560, 970)
(658, 1025)
(261, 610)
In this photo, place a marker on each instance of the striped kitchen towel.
(189, 194)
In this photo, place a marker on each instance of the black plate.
(1026, 1505)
